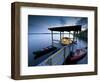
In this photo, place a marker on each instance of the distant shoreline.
(46, 33)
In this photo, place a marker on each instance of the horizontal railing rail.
(57, 58)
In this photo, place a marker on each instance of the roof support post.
(77, 37)
(69, 34)
(60, 37)
(74, 37)
(63, 33)
(52, 37)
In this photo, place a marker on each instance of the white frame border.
(25, 70)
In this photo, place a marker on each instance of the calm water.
(40, 41)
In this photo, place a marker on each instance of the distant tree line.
(83, 35)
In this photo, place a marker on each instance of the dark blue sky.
(40, 24)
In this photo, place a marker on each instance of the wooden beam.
(74, 36)
(69, 34)
(52, 37)
(60, 37)
(63, 34)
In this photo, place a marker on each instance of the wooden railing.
(57, 58)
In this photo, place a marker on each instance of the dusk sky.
(40, 24)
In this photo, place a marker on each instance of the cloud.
(40, 24)
(67, 21)
(82, 21)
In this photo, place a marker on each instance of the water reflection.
(40, 41)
